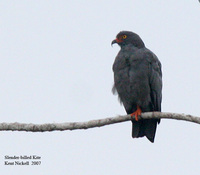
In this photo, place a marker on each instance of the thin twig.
(92, 123)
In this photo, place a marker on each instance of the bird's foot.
(136, 113)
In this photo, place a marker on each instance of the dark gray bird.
(138, 82)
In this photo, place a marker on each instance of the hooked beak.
(114, 42)
(118, 41)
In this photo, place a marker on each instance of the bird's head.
(126, 37)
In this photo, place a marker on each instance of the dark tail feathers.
(145, 127)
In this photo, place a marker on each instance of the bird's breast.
(131, 80)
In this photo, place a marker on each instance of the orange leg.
(136, 113)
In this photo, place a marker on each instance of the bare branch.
(92, 123)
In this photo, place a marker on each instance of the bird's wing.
(155, 81)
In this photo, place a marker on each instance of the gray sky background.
(56, 66)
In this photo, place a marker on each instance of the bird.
(137, 82)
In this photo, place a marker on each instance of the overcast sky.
(56, 66)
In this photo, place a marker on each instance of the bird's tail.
(145, 127)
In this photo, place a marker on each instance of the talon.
(137, 113)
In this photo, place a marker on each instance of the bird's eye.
(124, 36)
